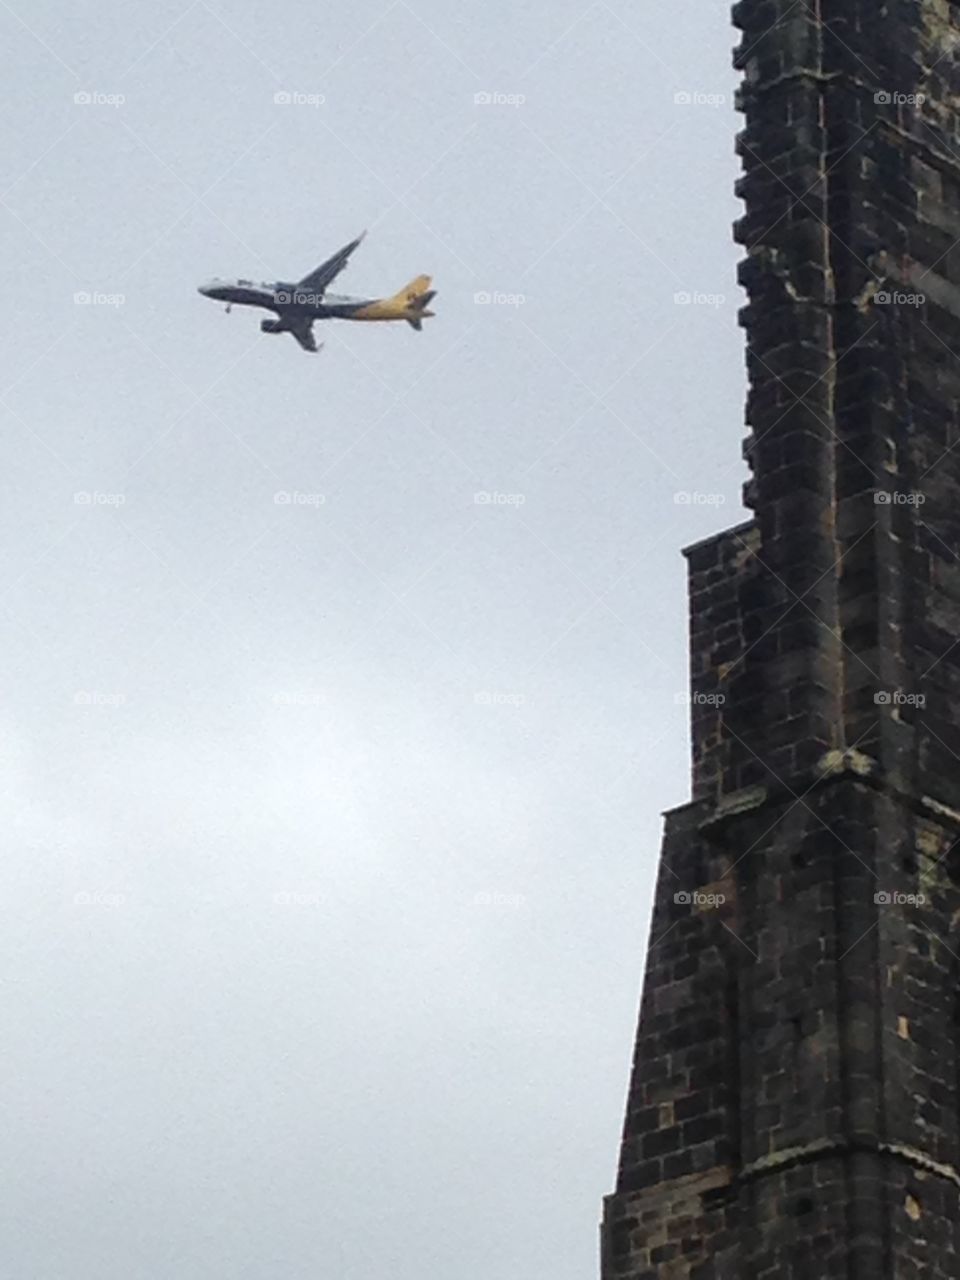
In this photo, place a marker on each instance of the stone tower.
(794, 1105)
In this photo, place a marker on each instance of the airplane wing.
(319, 281)
(303, 332)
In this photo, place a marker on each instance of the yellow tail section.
(411, 291)
(409, 304)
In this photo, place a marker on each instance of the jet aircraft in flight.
(297, 306)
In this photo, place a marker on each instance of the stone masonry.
(794, 1104)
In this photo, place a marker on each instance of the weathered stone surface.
(794, 1105)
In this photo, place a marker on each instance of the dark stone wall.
(851, 184)
(794, 1102)
(675, 1207)
(723, 573)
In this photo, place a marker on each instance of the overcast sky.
(331, 822)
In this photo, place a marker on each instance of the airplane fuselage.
(286, 300)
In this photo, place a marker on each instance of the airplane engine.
(271, 326)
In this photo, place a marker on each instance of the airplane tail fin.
(411, 291)
(415, 298)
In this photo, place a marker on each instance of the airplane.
(298, 305)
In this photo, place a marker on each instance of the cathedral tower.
(794, 1105)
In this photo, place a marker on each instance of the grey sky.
(331, 824)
